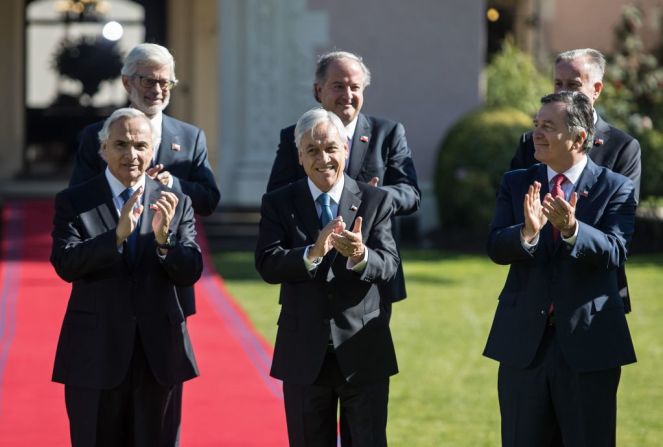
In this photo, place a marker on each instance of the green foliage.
(634, 94)
(446, 391)
(632, 97)
(514, 81)
(474, 155)
(651, 183)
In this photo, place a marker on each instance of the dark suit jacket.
(379, 149)
(614, 149)
(112, 298)
(581, 280)
(189, 166)
(331, 299)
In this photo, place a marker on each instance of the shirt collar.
(350, 128)
(117, 187)
(596, 115)
(572, 174)
(157, 120)
(335, 191)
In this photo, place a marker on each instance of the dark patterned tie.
(132, 240)
(326, 214)
(557, 191)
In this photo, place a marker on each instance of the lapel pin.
(598, 142)
(175, 147)
(584, 194)
(363, 139)
(353, 208)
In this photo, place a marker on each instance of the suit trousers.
(311, 410)
(133, 414)
(549, 399)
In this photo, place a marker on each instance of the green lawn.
(445, 394)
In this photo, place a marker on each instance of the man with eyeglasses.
(180, 151)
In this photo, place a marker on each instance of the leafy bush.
(512, 80)
(472, 159)
(651, 183)
(632, 97)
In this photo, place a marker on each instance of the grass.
(445, 394)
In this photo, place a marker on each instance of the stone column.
(267, 58)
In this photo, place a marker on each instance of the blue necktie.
(132, 240)
(326, 214)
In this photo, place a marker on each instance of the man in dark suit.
(333, 343)
(179, 160)
(582, 71)
(125, 241)
(379, 154)
(560, 331)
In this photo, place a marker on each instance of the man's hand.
(164, 210)
(129, 215)
(535, 218)
(324, 242)
(349, 243)
(157, 173)
(561, 214)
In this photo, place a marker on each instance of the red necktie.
(557, 191)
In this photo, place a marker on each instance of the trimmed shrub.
(473, 157)
(651, 183)
(512, 80)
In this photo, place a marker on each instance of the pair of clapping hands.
(334, 235)
(556, 210)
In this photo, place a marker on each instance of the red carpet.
(233, 403)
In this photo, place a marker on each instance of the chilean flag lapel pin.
(363, 139)
(175, 147)
(584, 193)
(598, 141)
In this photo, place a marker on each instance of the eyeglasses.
(164, 84)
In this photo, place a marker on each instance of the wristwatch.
(170, 242)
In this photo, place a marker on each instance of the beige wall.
(11, 82)
(426, 57)
(569, 24)
(193, 40)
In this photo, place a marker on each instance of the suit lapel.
(541, 176)
(305, 208)
(601, 135)
(583, 187)
(107, 211)
(150, 195)
(347, 208)
(350, 202)
(360, 142)
(170, 142)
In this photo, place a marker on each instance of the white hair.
(125, 112)
(314, 117)
(595, 59)
(149, 54)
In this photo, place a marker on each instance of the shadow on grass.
(647, 260)
(235, 265)
(239, 265)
